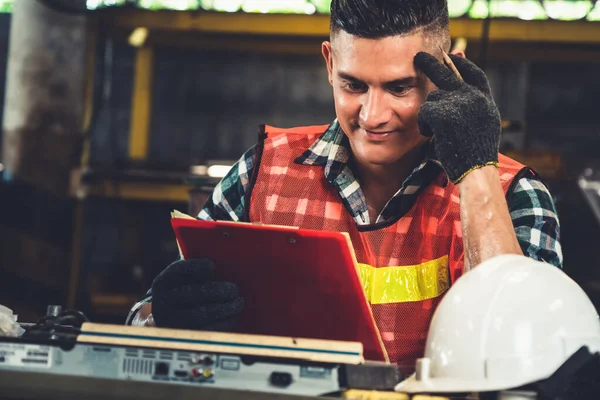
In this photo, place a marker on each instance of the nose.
(375, 113)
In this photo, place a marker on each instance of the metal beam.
(239, 23)
(318, 25)
(529, 31)
(139, 136)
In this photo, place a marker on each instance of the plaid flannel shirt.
(531, 206)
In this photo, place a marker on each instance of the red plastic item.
(296, 282)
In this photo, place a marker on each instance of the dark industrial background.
(98, 248)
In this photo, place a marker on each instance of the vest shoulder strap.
(508, 162)
(272, 132)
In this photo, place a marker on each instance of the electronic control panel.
(171, 366)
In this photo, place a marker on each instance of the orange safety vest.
(406, 265)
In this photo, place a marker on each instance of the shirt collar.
(331, 149)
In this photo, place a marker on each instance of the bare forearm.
(486, 224)
(144, 316)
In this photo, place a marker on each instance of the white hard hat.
(509, 322)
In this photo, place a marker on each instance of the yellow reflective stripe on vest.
(403, 284)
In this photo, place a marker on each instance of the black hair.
(375, 19)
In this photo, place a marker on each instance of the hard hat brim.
(450, 385)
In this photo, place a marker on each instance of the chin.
(382, 159)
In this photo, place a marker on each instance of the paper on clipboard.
(179, 214)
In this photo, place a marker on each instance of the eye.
(399, 90)
(355, 86)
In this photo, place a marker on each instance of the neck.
(388, 177)
(380, 182)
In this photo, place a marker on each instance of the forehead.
(386, 58)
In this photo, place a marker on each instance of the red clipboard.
(296, 282)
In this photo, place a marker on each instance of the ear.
(459, 53)
(327, 52)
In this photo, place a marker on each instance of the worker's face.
(378, 94)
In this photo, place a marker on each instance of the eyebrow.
(407, 81)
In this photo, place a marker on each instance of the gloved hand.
(461, 115)
(185, 296)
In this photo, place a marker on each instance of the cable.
(64, 326)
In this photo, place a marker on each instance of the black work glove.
(578, 378)
(461, 116)
(185, 296)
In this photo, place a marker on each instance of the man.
(410, 168)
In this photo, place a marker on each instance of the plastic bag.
(8, 323)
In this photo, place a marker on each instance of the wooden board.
(231, 343)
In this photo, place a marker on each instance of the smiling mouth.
(377, 136)
(377, 133)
